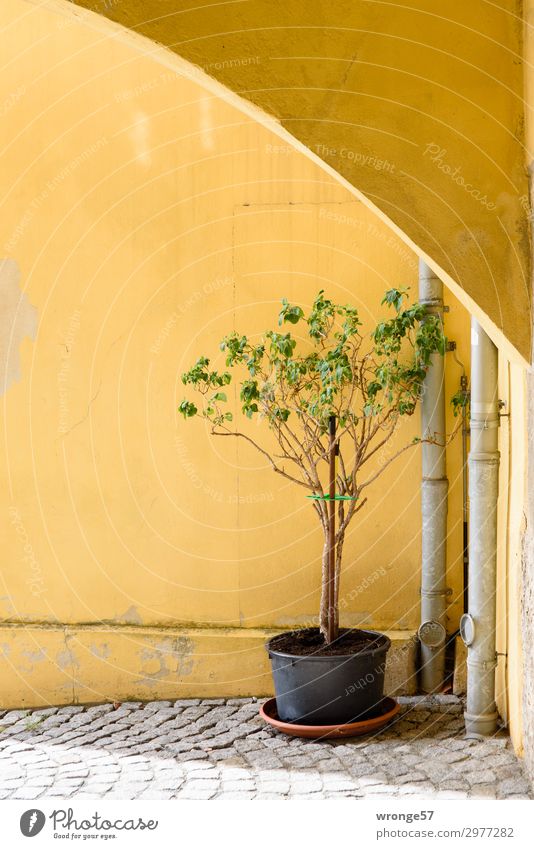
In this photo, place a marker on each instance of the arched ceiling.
(418, 105)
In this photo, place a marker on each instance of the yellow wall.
(515, 671)
(511, 528)
(143, 217)
(417, 105)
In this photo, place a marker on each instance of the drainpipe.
(434, 491)
(477, 627)
(465, 503)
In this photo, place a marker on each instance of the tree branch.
(265, 454)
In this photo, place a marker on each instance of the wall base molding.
(44, 665)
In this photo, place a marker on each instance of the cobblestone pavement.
(220, 749)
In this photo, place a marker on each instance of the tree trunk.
(339, 555)
(329, 615)
(323, 615)
(324, 610)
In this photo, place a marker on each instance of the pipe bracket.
(435, 593)
(486, 424)
(485, 665)
(431, 302)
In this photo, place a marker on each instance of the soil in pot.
(310, 641)
(319, 684)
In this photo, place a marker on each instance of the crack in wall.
(73, 662)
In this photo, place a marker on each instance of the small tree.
(333, 374)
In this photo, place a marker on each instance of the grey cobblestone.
(220, 749)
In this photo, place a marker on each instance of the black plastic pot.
(322, 690)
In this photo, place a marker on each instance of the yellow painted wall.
(511, 528)
(417, 105)
(143, 217)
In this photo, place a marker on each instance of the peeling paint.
(35, 656)
(102, 651)
(7, 603)
(173, 657)
(18, 319)
(63, 659)
(130, 617)
(67, 659)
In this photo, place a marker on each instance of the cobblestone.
(220, 749)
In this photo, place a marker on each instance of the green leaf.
(187, 409)
(289, 313)
(460, 402)
(394, 297)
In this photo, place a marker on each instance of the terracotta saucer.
(387, 710)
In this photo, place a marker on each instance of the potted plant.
(332, 398)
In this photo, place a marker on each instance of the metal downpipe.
(478, 625)
(434, 492)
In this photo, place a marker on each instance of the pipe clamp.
(485, 665)
(431, 302)
(435, 593)
(486, 424)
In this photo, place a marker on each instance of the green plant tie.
(335, 498)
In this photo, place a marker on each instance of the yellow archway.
(420, 110)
